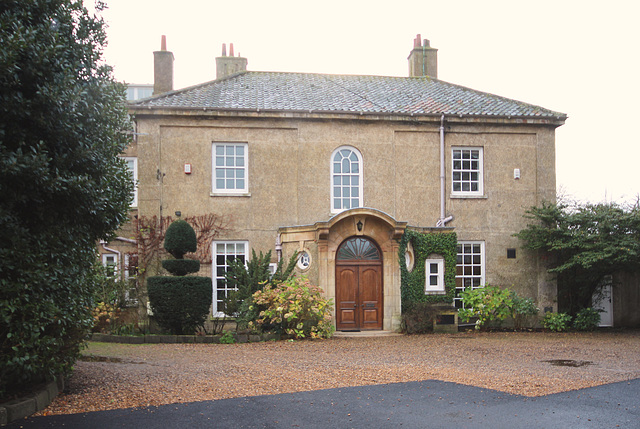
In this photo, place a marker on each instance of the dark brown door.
(358, 287)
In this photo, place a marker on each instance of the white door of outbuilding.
(603, 301)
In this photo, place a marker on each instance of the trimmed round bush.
(181, 267)
(180, 239)
(180, 304)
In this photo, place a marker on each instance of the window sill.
(435, 292)
(469, 196)
(230, 194)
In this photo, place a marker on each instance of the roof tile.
(279, 91)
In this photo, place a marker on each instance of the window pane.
(219, 150)
(345, 166)
(433, 280)
(355, 169)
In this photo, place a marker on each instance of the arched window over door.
(358, 248)
(358, 285)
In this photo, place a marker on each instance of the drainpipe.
(443, 220)
(278, 248)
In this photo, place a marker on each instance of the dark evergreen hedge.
(181, 267)
(180, 304)
(63, 123)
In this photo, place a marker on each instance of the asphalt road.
(425, 404)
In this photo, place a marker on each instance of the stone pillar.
(162, 69)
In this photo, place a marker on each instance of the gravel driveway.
(532, 364)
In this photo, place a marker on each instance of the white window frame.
(105, 262)
(468, 263)
(244, 168)
(128, 296)
(438, 288)
(220, 278)
(467, 171)
(333, 188)
(134, 172)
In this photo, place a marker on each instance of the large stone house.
(337, 167)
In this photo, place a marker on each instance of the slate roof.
(308, 92)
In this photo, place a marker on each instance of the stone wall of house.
(289, 178)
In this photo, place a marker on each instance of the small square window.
(511, 253)
(434, 270)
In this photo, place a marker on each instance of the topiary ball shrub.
(181, 267)
(180, 238)
(180, 304)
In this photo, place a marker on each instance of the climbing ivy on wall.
(413, 283)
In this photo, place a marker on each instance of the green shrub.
(180, 238)
(180, 304)
(227, 338)
(487, 304)
(248, 280)
(418, 318)
(181, 267)
(522, 309)
(295, 307)
(587, 319)
(558, 322)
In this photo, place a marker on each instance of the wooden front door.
(359, 296)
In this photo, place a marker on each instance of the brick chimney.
(162, 69)
(423, 59)
(228, 65)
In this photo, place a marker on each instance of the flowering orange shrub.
(105, 317)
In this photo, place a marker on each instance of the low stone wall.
(182, 339)
(40, 399)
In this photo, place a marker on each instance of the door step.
(353, 334)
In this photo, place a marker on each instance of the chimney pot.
(416, 41)
(423, 59)
(163, 43)
(228, 65)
